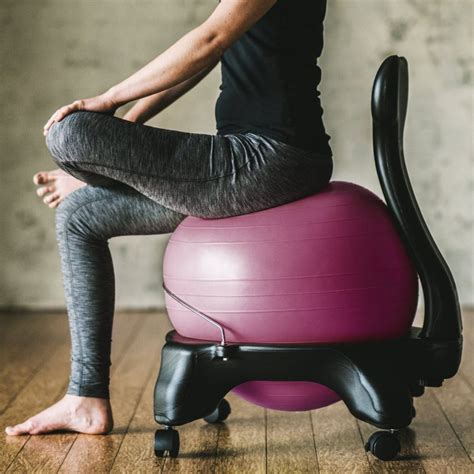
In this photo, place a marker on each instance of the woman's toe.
(39, 178)
(54, 203)
(44, 190)
(43, 177)
(50, 198)
(22, 428)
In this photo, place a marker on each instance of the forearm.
(148, 107)
(195, 51)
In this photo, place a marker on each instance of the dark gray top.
(270, 77)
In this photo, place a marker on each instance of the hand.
(100, 103)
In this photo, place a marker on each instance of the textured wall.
(55, 51)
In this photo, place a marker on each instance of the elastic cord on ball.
(199, 313)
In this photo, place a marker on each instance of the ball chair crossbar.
(376, 380)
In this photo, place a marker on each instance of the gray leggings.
(146, 180)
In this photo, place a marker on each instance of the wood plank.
(241, 443)
(198, 440)
(435, 438)
(10, 323)
(338, 442)
(22, 358)
(92, 453)
(137, 447)
(252, 439)
(198, 449)
(43, 390)
(290, 442)
(409, 459)
(456, 400)
(466, 370)
(445, 459)
(48, 451)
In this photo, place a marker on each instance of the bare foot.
(72, 413)
(58, 184)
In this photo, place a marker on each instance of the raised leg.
(196, 174)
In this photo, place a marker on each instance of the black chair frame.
(376, 380)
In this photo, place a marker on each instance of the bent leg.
(195, 174)
(101, 149)
(85, 221)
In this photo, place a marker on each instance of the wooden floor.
(34, 365)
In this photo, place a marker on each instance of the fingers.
(61, 113)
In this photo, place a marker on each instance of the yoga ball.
(330, 267)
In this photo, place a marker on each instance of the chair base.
(376, 380)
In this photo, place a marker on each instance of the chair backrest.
(389, 108)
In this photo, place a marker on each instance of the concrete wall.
(55, 51)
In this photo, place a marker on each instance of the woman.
(132, 179)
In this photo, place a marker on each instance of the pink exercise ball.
(330, 267)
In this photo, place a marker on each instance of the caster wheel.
(383, 445)
(220, 413)
(166, 440)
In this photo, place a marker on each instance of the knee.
(63, 137)
(72, 216)
(66, 211)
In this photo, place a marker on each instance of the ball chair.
(301, 305)
(326, 268)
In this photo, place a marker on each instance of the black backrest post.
(389, 107)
